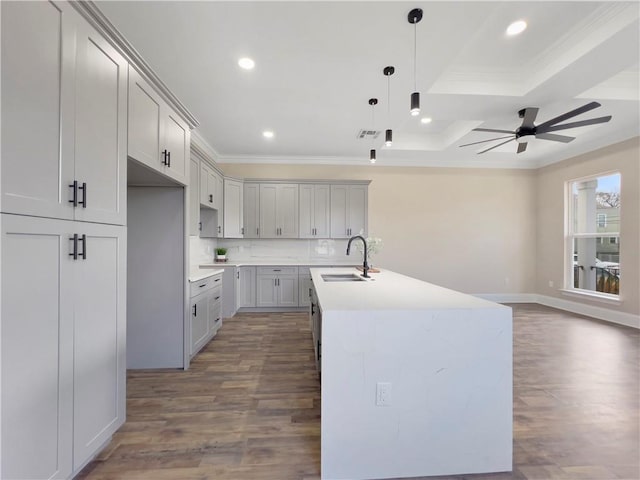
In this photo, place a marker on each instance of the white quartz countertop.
(197, 274)
(281, 262)
(388, 290)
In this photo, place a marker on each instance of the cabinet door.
(247, 287)
(99, 371)
(145, 121)
(214, 312)
(357, 210)
(288, 291)
(199, 322)
(233, 198)
(177, 137)
(37, 151)
(266, 291)
(219, 200)
(251, 210)
(205, 199)
(101, 129)
(321, 208)
(268, 208)
(339, 203)
(304, 286)
(194, 197)
(287, 210)
(307, 222)
(37, 347)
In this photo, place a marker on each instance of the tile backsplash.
(201, 250)
(296, 249)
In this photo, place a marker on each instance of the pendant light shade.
(388, 137)
(415, 103)
(372, 155)
(388, 134)
(414, 17)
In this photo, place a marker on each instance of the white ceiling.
(318, 63)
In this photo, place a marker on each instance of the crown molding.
(203, 147)
(100, 22)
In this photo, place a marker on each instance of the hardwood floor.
(249, 407)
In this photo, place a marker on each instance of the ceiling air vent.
(369, 133)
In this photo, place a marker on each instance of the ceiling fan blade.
(522, 147)
(582, 123)
(493, 130)
(568, 115)
(496, 146)
(530, 115)
(555, 138)
(484, 141)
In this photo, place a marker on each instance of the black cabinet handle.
(74, 239)
(74, 186)
(84, 247)
(203, 285)
(84, 195)
(169, 159)
(195, 309)
(219, 229)
(200, 226)
(257, 231)
(217, 298)
(164, 156)
(238, 275)
(217, 280)
(277, 270)
(210, 198)
(312, 310)
(242, 230)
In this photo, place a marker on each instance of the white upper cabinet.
(278, 210)
(211, 188)
(194, 197)
(64, 108)
(233, 212)
(158, 137)
(348, 210)
(314, 211)
(251, 209)
(101, 129)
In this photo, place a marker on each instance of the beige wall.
(467, 229)
(623, 157)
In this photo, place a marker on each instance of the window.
(593, 234)
(602, 220)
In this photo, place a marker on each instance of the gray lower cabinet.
(206, 311)
(246, 287)
(277, 287)
(304, 286)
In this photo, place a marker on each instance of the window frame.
(570, 236)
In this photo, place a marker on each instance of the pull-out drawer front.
(205, 284)
(277, 270)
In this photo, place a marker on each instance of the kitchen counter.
(280, 262)
(197, 274)
(445, 361)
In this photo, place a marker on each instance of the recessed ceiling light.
(516, 27)
(425, 120)
(246, 63)
(267, 134)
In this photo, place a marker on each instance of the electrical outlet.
(551, 283)
(383, 394)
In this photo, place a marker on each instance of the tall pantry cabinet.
(63, 240)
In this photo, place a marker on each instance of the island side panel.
(451, 393)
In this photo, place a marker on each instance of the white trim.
(508, 297)
(601, 313)
(621, 318)
(590, 295)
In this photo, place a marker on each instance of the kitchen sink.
(342, 277)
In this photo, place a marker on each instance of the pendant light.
(414, 17)
(372, 153)
(388, 134)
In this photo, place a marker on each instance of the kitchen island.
(416, 378)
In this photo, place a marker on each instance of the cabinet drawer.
(277, 270)
(196, 288)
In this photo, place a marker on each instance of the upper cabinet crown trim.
(93, 15)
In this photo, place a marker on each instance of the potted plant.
(221, 254)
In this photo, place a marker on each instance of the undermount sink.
(341, 277)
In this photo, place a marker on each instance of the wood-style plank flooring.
(249, 407)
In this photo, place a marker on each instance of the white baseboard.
(508, 297)
(600, 313)
(606, 314)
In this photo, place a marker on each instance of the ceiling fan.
(528, 130)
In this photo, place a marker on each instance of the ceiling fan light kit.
(528, 130)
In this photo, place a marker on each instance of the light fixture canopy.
(414, 17)
(388, 134)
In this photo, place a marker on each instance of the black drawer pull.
(74, 239)
(217, 298)
(195, 309)
(203, 285)
(217, 280)
(84, 195)
(84, 247)
(74, 200)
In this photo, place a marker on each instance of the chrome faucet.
(365, 265)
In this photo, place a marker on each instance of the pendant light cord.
(389, 97)
(415, 48)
